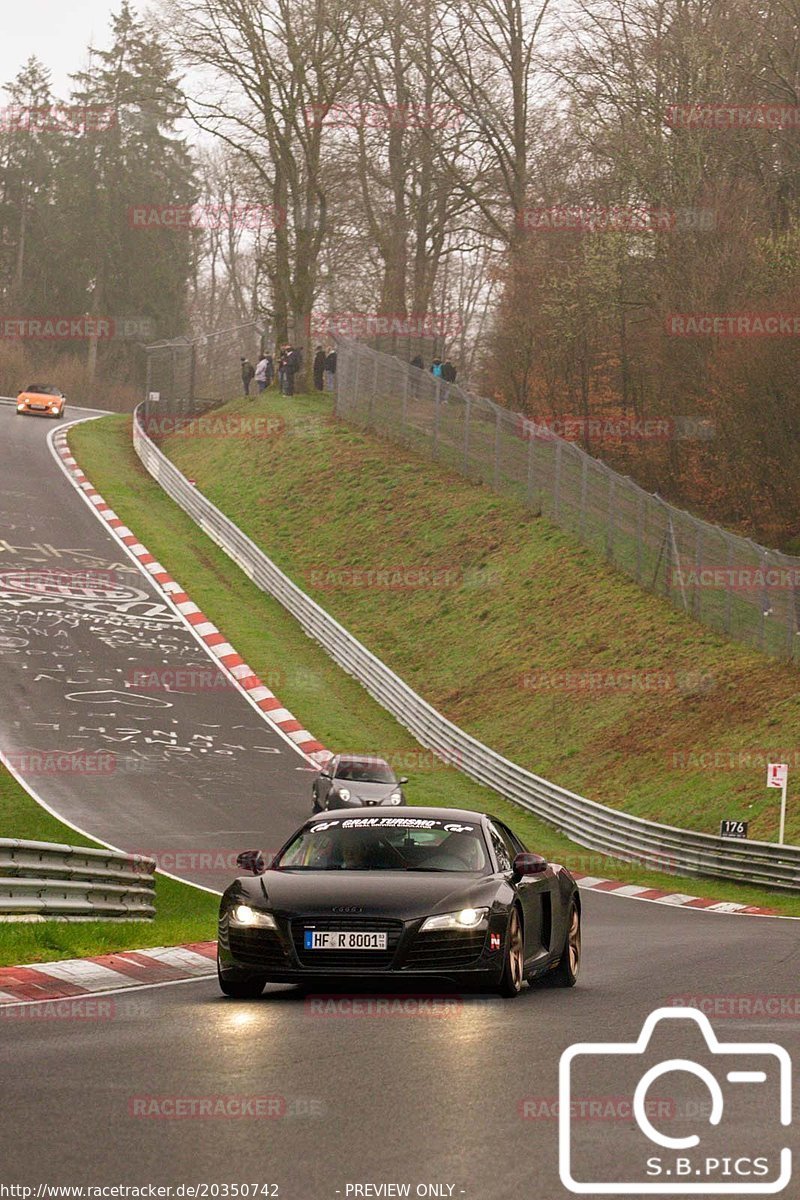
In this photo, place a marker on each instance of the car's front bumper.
(278, 956)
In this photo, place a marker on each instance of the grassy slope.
(330, 703)
(532, 600)
(183, 914)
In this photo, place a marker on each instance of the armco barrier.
(590, 824)
(46, 881)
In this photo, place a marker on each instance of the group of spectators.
(440, 370)
(290, 362)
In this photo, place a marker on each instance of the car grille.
(257, 947)
(377, 959)
(445, 948)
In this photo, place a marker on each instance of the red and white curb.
(215, 642)
(276, 714)
(81, 977)
(635, 891)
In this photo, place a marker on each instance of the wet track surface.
(458, 1093)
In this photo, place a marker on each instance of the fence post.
(612, 491)
(729, 590)
(531, 440)
(373, 393)
(582, 513)
(765, 606)
(697, 598)
(437, 401)
(192, 370)
(356, 380)
(467, 417)
(557, 481)
(404, 409)
(640, 523)
(497, 448)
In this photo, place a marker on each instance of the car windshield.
(42, 389)
(365, 770)
(386, 844)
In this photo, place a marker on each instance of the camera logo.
(723, 1096)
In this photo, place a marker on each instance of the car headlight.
(243, 914)
(343, 794)
(396, 798)
(467, 918)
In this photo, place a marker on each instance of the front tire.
(566, 973)
(248, 987)
(513, 959)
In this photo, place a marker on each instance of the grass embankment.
(183, 913)
(520, 597)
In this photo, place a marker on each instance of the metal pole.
(531, 440)
(437, 417)
(467, 418)
(782, 834)
(497, 449)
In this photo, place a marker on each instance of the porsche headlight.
(396, 798)
(342, 794)
(243, 914)
(467, 918)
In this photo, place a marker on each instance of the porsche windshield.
(386, 844)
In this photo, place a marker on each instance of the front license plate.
(339, 940)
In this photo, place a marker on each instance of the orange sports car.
(42, 400)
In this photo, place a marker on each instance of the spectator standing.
(417, 362)
(330, 369)
(294, 362)
(282, 369)
(448, 371)
(247, 375)
(436, 368)
(319, 369)
(270, 375)
(261, 374)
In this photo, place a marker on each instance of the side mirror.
(529, 864)
(403, 779)
(253, 861)
(325, 775)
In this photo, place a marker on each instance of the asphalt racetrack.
(443, 1094)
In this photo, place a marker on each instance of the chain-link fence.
(206, 367)
(728, 582)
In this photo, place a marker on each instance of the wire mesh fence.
(207, 367)
(728, 582)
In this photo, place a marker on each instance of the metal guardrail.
(586, 822)
(47, 881)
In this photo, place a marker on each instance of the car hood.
(400, 894)
(368, 792)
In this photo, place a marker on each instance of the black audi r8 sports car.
(426, 893)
